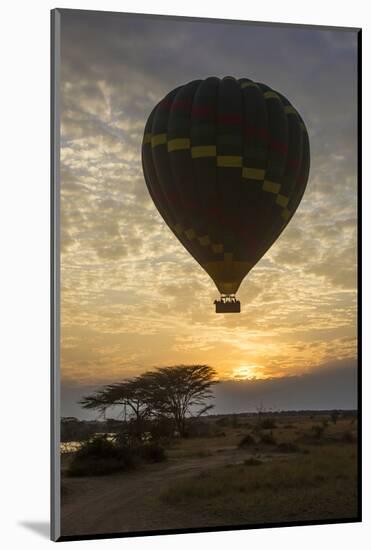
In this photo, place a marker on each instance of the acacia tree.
(131, 395)
(96, 401)
(180, 391)
(173, 392)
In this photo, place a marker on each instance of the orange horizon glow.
(132, 298)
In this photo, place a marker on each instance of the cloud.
(330, 385)
(132, 297)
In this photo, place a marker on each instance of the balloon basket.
(227, 304)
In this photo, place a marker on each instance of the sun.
(248, 372)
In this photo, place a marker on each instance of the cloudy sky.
(131, 297)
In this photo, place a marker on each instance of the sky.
(132, 298)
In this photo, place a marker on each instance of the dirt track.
(129, 502)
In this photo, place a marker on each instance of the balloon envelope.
(226, 162)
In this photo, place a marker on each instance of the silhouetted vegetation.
(318, 430)
(348, 437)
(268, 439)
(152, 452)
(287, 447)
(100, 456)
(247, 441)
(167, 392)
(73, 429)
(268, 424)
(252, 461)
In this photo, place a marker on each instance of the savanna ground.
(290, 468)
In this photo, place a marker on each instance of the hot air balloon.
(226, 162)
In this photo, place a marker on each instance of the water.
(73, 446)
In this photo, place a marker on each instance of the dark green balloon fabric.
(226, 162)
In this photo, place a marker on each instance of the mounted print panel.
(205, 296)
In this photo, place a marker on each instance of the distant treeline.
(73, 429)
(345, 413)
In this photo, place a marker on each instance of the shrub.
(199, 428)
(268, 439)
(288, 447)
(234, 421)
(100, 457)
(348, 437)
(335, 416)
(99, 447)
(318, 430)
(203, 453)
(162, 428)
(268, 424)
(252, 461)
(152, 452)
(223, 421)
(123, 439)
(247, 441)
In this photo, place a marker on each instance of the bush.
(152, 452)
(318, 430)
(288, 447)
(99, 447)
(162, 429)
(268, 424)
(223, 421)
(348, 437)
(253, 462)
(199, 428)
(268, 439)
(100, 457)
(247, 441)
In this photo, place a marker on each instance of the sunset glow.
(248, 372)
(131, 296)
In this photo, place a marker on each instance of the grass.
(319, 484)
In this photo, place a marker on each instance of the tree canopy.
(174, 392)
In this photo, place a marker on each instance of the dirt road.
(129, 502)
